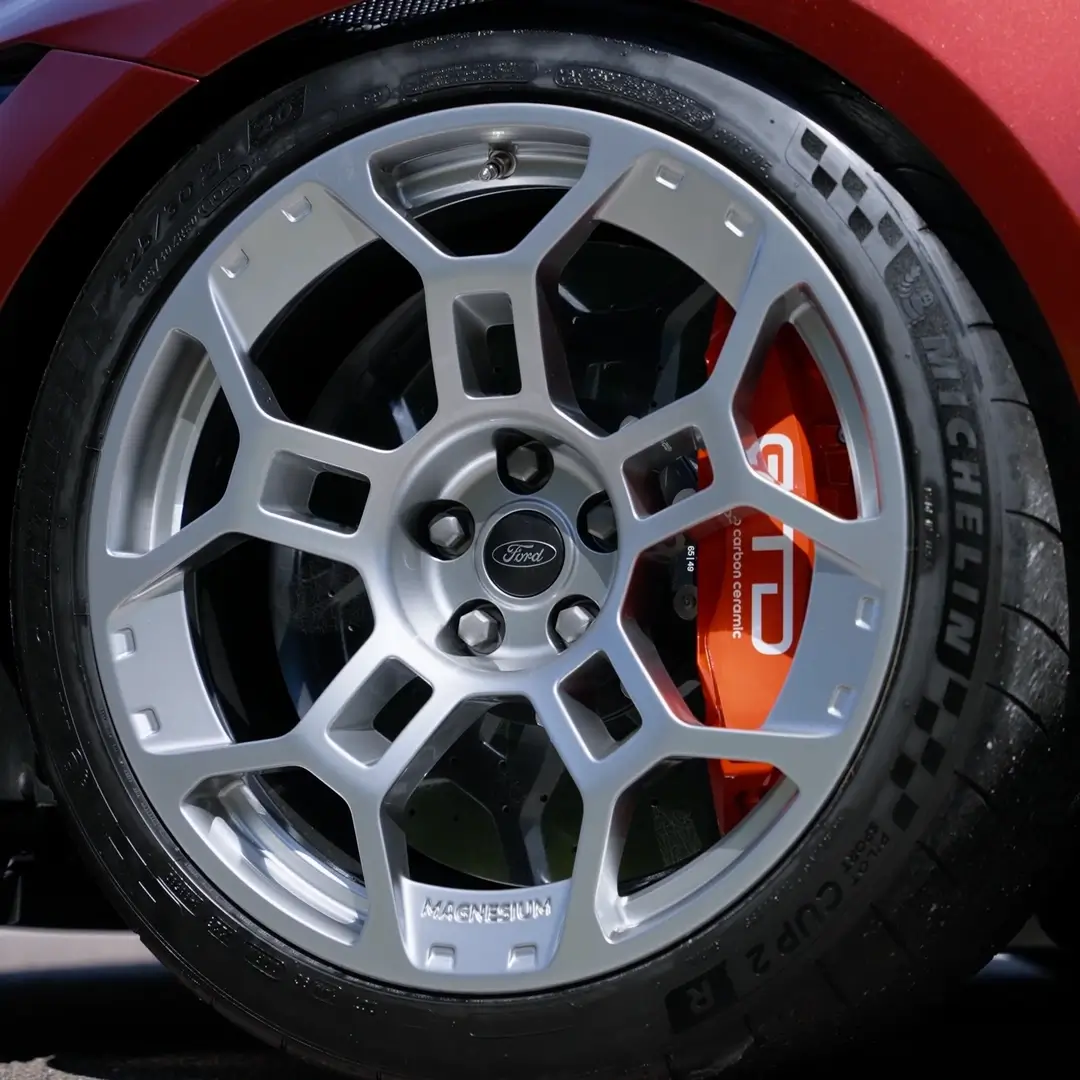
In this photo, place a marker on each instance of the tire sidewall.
(695, 993)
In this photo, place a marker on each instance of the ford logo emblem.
(522, 554)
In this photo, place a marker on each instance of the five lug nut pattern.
(449, 534)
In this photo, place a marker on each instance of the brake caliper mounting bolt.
(500, 165)
(685, 602)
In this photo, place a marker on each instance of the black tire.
(922, 860)
(1057, 906)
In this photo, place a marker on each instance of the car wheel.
(532, 561)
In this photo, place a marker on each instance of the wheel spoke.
(615, 159)
(678, 203)
(706, 505)
(282, 518)
(592, 909)
(118, 577)
(300, 533)
(282, 461)
(803, 752)
(541, 359)
(372, 197)
(449, 363)
(654, 429)
(342, 704)
(370, 194)
(245, 388)
(290, 244)
(771, 293)
(316, 448)
(808, 758)
(862, 544)
(195, 312)
(176, 772)
(643, 675)
(536, 263)
(427, 736)
(577, 734)
(384, 861)
(530, 822)
(368, 191)
(545, 375)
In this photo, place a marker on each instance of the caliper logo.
(778, 453)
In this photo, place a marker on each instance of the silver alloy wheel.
(391, 928)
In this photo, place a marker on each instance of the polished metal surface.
(390, 927)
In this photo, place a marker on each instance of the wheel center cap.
(524, 553)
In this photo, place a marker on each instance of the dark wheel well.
(33, 317)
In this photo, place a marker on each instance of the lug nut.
(450, 533)
(480, 630)
(572, 622)
(600, 526)
(528, 465)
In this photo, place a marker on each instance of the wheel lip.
(636, 946)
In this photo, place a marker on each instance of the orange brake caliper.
(754, 573)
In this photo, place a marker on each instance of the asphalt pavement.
(77, 1005)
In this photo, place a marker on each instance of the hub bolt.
(480, 630)
(685, 602)
(450, 532)
(600, 526)
(571, 622)
(528, 465)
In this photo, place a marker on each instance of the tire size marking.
(282, 114)
(862, 858)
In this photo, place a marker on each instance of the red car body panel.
(61, 124)
(991, 87)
